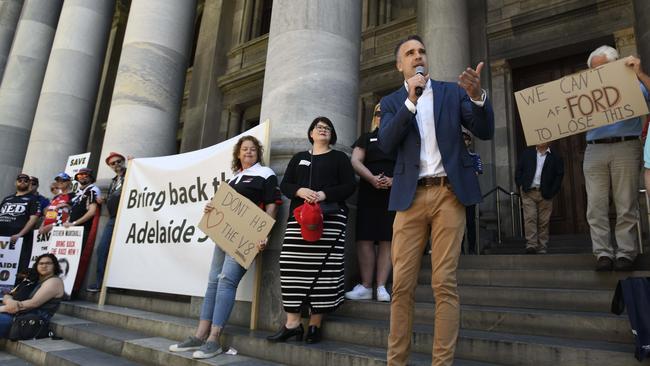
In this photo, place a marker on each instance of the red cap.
(310, 219)
(112, 155)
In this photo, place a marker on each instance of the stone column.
(203, 113)
(21, 84)
(312, 69)
(443, 26)
(9, 15)
(143, 118)
(67, 102)
(642, 31)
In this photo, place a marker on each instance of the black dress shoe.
(314, 334)
(285, 333)
(604, 264)
(623, 264)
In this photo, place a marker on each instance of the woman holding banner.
(311, 262)
(260, 185)
(40, 295)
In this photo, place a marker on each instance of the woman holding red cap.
(318, 182)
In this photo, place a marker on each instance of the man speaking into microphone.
(433, 181)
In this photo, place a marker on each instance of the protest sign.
(580, 102)
(40, 246)
(65, 243)
(9, 258)
(74, 164)
(236, 224)
(156, 244)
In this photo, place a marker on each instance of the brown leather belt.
(611, 140)
(432, 181)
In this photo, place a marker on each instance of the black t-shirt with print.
(81, 202)
(15, 212)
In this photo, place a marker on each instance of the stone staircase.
(516, 310)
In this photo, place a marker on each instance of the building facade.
(159, 77)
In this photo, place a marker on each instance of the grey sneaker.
(207, 350)
(190, 344)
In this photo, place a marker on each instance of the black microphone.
(418, 89)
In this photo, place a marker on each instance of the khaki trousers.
(537, 215)
(436, 212)
(613, 168)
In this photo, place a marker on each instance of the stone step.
(547, 261)
(501, 250)
(137, 346)
(7, 359)
(49, 352)
(577, 325)
(552, 278)
(502, 348)
(529, 298)
(251, 343)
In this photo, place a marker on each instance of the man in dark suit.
(539, 176)
(434, 179)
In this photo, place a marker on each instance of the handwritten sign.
(580, 102)
(236, 224)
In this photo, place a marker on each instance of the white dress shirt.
(541, 158)
(430, 158)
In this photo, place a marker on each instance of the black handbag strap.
(322, 266)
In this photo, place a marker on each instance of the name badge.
(305, 162)
(373, 139)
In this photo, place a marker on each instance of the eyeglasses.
(323, 128)
(82, 174)
(24, 180)
(378, 114)
(115, 162)
(46, 263)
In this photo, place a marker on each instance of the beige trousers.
(537, 215)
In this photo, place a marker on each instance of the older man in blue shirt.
(613, 159)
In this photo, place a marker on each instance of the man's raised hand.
(470, 80)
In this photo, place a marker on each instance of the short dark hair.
(412, 37)
(57, 266)
(326, 121)
(236, 163)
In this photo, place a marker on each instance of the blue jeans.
(5, 324)
(103, 248)
(225, 274)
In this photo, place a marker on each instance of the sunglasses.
(378, 114)
(24, 180)
(115, 162)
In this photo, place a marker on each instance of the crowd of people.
(418, 185)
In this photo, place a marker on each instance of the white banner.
(9, 258)
(40, 246)
(65, 244)
(157, 245)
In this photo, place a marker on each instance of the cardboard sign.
(236, 224)
(65, 244)
(9, 258)
(40, 246)
(580, 102)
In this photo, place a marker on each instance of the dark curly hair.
(57, 266)
(236, 164)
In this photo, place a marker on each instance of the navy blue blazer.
(399, 132)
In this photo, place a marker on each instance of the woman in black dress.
(374, 221)
(311, 273)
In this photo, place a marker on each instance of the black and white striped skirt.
(301, 261)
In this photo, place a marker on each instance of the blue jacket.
(399, 132)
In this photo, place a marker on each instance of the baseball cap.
(22, 175)
(34, 180)
(310, 219)
(87, 171)
(113, 154)
(62, 176)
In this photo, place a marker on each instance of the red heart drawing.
(209, 223)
